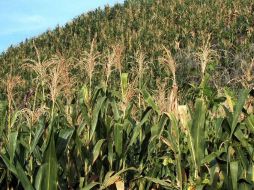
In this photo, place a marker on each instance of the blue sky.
(21, 19)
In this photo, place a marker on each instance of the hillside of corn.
(143, 95)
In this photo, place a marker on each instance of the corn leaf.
(39, 177)
(124, 84)
(112, 178)
(250, 123)
(18, 171)
(244, 143)
(118, 139)
(238, 109)
(9, 165)
(50, 170)
(90, 186)
(110, 152)
(23, 178)
(163, 183)
(38, 134)
(63, 139)
(3, 113)
(97, 149)
(137, 129)
(149, 100)
(12, 144)
(174, 137)
(95, 115)
(234, 174)
(197, 131)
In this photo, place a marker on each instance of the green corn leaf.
(90, 186)
(8, 164)
(50, 171)
(12, 144)
(23, 178)
(118, 139)
(174, 132)
(234, 174)
(218, 129)
(14, 118)
(95, 115)
(84, 111)
(138, 127)
(175, 139)
(157, 128)
(144, 141)
(207, 159)
(38, 134)
(115, 110)
(229, 118)
(3, 107)
(128, 126)
(3, 175)
(250, 123)
(3, 114)
(128, 110)
(238, 109)
(85, 94)
(18, 171)
(40, 177)
(243, 160)
(37, 154)
(163, 183)
(214, 176)
(251, 172)
(145, 115)
(243, 185)
(135, 135)
(110, 152)
(97, 149)
(97, 92)
(124, 84)
(149, 100)
(63, 139)
(244, 143)
(197, 131)
(111, 178)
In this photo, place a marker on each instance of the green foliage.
(128, 126)
(182, 26)
(107, 146)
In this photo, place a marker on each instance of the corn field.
(88, 121)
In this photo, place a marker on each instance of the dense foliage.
(145, 95)
(146, 25)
